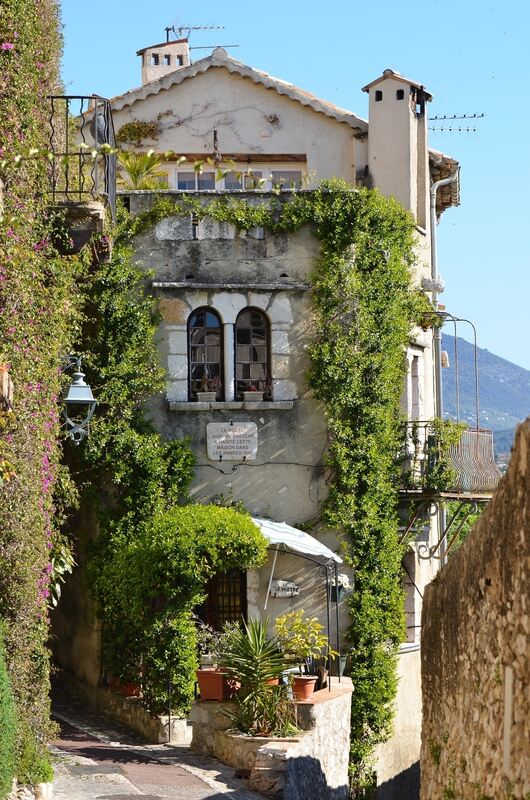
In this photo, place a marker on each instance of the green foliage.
(141, 171)
(261, 709)
(136, 131)
(38, 319)
(441, 474)
(7, 729)
(252, 657)
(365, 309)
(300, 637)
(150, 577)
(267, 711)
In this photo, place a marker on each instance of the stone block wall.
(313, 764)
(475, 646)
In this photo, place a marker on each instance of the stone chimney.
(160, 59)
(397, 141)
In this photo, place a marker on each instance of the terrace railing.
(82, 150)
(465, 468)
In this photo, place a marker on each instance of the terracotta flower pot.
(272, 682)
(304, 686)
(130, 690)
(215, 684)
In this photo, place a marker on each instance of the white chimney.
(160, 59)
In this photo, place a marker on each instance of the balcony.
(440, 460)
(82, 174)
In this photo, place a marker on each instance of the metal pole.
(270, 580)
(337, 619)
(437, 339)
(328, 614)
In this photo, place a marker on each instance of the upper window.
(195, 180)
(252, 356)
(167, 60)
(154, 59)
(205, 343)
(286, 179)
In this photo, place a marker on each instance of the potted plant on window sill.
(210, 387)
(252, 394)
(302, 639)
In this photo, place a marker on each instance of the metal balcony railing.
(466, 468)
(80, 171)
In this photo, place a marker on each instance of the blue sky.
(473, 55)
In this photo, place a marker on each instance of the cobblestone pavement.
(95, 759)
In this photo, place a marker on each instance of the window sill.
(235, 405)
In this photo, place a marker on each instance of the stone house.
(236, 308)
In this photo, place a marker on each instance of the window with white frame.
(238, 178)
(193, 181)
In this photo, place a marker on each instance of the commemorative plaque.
(232, 441)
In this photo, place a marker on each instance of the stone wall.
(313, 764)
(475, 645)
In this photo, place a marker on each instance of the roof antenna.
(184, 31)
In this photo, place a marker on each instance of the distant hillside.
(504, 391)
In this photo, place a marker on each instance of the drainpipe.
(437, 339)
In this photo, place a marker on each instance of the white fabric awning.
(289, 538)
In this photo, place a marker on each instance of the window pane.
(205, 349)
(212, 320)
(186, 180)
(252, 362)
(197, 336)
(243, 336)
(206, 180)
(252, 180)
(287, 179)
(233, 181)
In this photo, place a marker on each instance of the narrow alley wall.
(475, 645)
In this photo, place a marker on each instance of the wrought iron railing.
(82, 168)
(465, 467)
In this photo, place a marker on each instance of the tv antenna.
(452, 126)
(184, 31)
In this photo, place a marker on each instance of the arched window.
(205, 352)
(252, 356)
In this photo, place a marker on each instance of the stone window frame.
(211, 310)
(228, 304)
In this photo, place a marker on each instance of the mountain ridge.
(504, 391)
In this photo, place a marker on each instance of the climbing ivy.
(38, 318)
(365, 308)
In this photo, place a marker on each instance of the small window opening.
(400, 94)
(180, 61)
(378, 95)
(167, 60)
(194, 226)
(284, 275)
(154, 59)
(190, 277)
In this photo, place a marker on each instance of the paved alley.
(96, 759)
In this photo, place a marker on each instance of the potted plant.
(210, 387)
(215, 682)
(252, 394)
(263, 706)
(302, 639)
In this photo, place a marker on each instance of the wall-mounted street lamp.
(78, 403)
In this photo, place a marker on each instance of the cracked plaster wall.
(248, 118)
